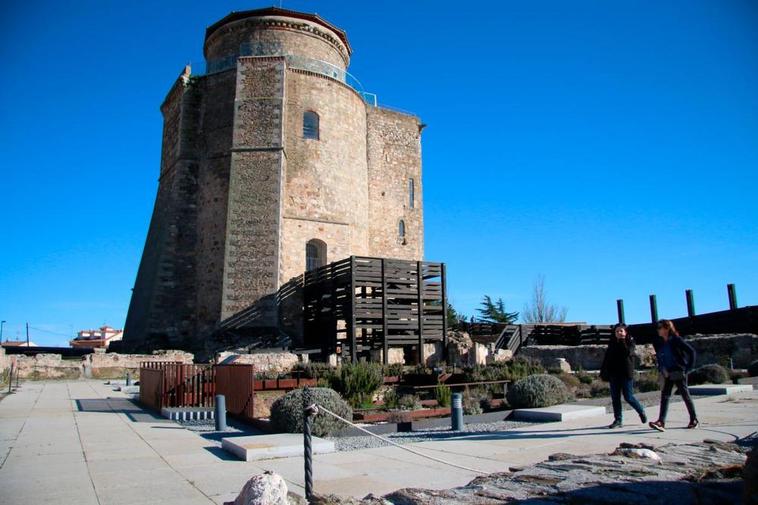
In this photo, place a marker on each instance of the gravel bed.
(366, 442)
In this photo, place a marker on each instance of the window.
(310, 125)
(411, 194)
(315, 254)
(401, 231)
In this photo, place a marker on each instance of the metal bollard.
(10, 379)
(456, 413)
(128, 379)
(220, 414)
(17, 373)
(309, 410)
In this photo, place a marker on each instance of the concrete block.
(563, 412)
(281, 445)
(720, 389)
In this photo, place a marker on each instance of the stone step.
(720, 389)
(564, 412)
(281, 445)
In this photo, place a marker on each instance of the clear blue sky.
(611, 146)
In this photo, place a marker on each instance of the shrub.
(471, 404)
(393, 370)
(584, 377)
(409, 402)
(648, 381)
(600, 389)
(571, 381)
(357, 382)
(287, 412)
(712, 374)
(314, 370)
(391, 399)
(537, 391)
(443, 395)
(752, 370)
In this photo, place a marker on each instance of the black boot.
(616, 424)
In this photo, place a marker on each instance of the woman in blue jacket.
(675, 358)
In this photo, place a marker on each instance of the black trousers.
(668, 386)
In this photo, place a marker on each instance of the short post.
(17, 374)
(620, 310)
(10, 379)
(690, 303)
(309, 410)
(128, 378)
(456, 412)
(220, 413)
(654, 309)
(732, 292)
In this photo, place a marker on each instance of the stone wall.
(48, 366)
(742, 349)
(265, 362)
(394, 157)
(5, 365)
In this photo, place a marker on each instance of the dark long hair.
(669, 325)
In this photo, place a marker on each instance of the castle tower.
(273, 162)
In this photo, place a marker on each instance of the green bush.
(443, 395)
(648, 381)
(600, 388)
(584, 377)
(472, 404)
(393, 370)
(314, 370)
(409, 402)
(570, 380)
(391, 399)
(540, 390)
(287, 412)
(709, 374)
(752, 370)
(357, 382)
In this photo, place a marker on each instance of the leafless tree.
(539, 310)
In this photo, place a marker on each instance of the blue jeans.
(625, 387)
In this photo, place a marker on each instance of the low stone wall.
(102, 365)
(5, 366)
(586, 357)
(264, 362)
(742, 349)
(98, 365)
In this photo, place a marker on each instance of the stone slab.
(720, 389)
(563, 412)
(128, 390)
(281, 445)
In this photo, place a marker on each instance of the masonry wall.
(251, 263)
(394, 157)
(326, 184)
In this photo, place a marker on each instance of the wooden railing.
(171, 384)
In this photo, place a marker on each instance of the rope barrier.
(399, 446)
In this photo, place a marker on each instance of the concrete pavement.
(80, 442)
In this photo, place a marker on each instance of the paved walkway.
(79, 442)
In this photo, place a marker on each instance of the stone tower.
(273, 161)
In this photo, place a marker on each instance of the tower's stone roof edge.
(276, 11)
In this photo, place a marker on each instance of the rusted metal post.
(690, 303)
(620, 310)
(732, 292)
(653, 309)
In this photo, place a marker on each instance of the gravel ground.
(366, 442)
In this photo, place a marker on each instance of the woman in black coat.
(618, 370)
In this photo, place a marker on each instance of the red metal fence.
(237, 384)
(171, 384)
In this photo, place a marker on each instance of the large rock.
(264, 362)
(265, 489)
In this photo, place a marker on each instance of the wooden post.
(420, 301)
(443, 285)
(653, 309)
(620, 310)
(353, 350)
(690, 303)
(732, 293)
(385, 339)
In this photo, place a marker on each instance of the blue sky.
(610, 146)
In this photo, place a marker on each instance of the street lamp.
(2, 323)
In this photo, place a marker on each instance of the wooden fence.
(237, 384)
(171, 384)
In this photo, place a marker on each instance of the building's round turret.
(275, 32)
